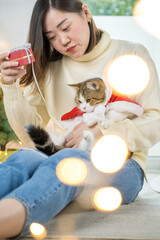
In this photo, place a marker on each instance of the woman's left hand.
(74, 138)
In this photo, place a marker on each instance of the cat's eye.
(79, 101)
(87, 100)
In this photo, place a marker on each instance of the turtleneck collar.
(97, 50)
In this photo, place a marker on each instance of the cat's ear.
(75, 86)
(93, 85)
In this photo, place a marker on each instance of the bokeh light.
(71, 171)
(128, 74)
(5, 152)
(107, 199)
(38, 231)
(109, 153)
(146, 13)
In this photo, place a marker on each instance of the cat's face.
(89, 94)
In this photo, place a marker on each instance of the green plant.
(111, 7)
(6, 133)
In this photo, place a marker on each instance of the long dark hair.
(39, 42)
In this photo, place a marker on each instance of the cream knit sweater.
(22, 106)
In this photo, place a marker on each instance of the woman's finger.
(9, 64)
(13, 72)
(3, 57)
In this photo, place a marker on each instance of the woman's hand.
(10, 70)
(74, 139)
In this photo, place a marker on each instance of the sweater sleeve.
(23, 107)
(142, 132)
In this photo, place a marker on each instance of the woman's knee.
(54, 159)
(129, 181)
(69, 153)
(26, 155)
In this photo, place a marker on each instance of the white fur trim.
(124, 106)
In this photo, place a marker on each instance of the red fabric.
(21, 57)
(77, 112)
(115, 98)
(72, 114)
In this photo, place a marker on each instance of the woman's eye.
(52, 38)
(65, 29)
(87, 100)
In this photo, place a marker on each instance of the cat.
(95, 103)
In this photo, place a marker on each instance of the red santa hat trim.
(124, 104)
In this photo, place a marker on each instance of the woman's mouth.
(71, 49)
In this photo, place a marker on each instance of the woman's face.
(67, 32)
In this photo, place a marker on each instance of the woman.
(68, 48)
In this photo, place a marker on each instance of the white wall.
(14, 23)
(124, 27)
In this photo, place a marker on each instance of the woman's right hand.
(10, 71)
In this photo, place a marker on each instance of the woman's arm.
(23, 107)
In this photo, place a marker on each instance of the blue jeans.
(30, 177)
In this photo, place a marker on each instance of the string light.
(146, 14)
(128, 74)
(71, 171)
(107, 199)
(5, 152)
(38, 231)
(109, 153)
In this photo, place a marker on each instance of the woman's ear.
(87, 12)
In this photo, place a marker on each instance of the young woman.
(68, 48)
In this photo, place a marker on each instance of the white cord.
(27, 47)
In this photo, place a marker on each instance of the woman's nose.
(65, 40)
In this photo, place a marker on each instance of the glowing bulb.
(20, 142)
(107, 199)
(38, 231)
(109, 153)
(128, 74)
(71, 171)
(146, 13)
(5, 153)
(0, 152)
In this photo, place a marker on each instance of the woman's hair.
(42, 51)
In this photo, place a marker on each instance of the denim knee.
(17, 169)
(66, 153)
(129, 181)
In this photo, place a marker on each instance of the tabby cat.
(92, 106)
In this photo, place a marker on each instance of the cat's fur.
(91, 97)
(90, 94)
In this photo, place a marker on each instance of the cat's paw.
(106, 123)
(87, 140)
(89, 119)
(61, 141)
